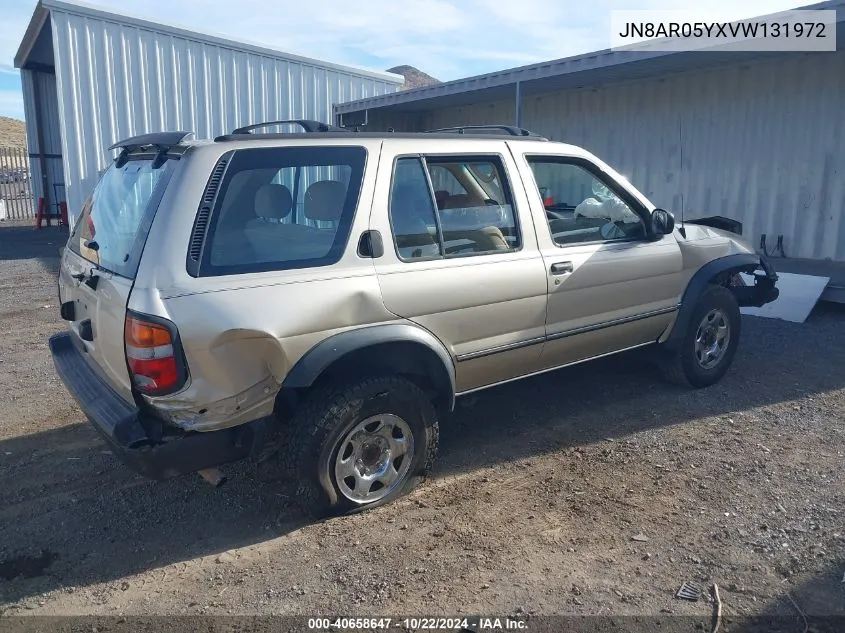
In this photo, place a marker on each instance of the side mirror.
(662, 222)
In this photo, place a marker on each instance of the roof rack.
(507, 129)
(307, 125)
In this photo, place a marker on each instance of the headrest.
(273, 202)
(324, 201)
(461, 201)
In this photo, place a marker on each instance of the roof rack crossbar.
(508, 129)
(307, 125)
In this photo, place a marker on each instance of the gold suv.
(331, 293)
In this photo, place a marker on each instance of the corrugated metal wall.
(52, 135)
(761, 143)
(116, 80)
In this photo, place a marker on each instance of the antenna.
(681, 228)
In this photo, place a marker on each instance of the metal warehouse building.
(91, 77)
(759, 137)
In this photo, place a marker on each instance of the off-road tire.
(328, 413)
(679, 365)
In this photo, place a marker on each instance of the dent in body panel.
(703, 244)
(240, 343)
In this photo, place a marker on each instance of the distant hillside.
(12, 133)
(414, 78)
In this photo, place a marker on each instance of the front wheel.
(708, 345)
(361, 444)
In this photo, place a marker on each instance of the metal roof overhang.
(590, 70)
(37, 40)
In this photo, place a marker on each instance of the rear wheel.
(708, 345)
(362, 444)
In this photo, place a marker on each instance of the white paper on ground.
(798, 296)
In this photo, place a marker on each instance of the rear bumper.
(141, 441)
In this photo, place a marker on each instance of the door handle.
(561, 268)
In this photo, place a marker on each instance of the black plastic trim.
(719, 222)
(67, 310)
(510, 130)
(310, 126)
(159, 140)
(371, 245)
(611, 323)
(559, 335)
(308, 368)
(700, 281)
(199, 231)
(348, 134)
(501, 348)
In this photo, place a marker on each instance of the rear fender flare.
(317, 360)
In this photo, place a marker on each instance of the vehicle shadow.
(72, 515)
(817, 605)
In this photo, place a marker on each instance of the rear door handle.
(561, 268)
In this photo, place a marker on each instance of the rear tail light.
(153, 355)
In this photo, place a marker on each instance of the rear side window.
(281, 208)
(116, 218)
(451, 207)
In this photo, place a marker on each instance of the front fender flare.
(747, 262)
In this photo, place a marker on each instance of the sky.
(448, 39)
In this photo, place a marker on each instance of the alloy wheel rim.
(712, 338)
(373, 458)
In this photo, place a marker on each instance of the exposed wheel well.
(724, 277)
(720, 272)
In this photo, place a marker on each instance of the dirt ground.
(594, 490)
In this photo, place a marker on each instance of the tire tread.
(318, 415)
(673, 362)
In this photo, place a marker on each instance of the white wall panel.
(761, 143)
(51, 130)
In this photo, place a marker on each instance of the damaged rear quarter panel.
(242, 333)
(240, 342)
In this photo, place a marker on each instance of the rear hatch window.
(116, 218)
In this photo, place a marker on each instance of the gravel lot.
(593, 490)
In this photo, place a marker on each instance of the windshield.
(115, 220)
